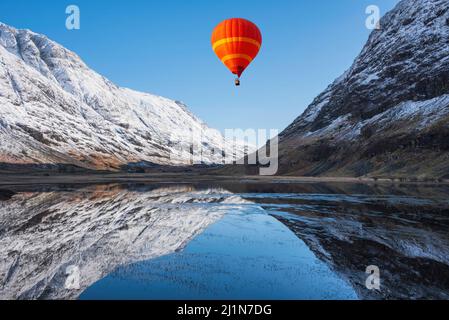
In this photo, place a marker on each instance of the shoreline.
(19, 179)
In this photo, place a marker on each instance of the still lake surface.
(224, 241)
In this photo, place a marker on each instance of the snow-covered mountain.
(54, 109)
(388, 115)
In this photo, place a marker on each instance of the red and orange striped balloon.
(236, 42)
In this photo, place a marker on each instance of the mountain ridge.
(387, 115)
(54, 109)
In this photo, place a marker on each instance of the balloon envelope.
(236, 42)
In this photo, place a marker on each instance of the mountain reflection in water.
(224, 241)
(96, 229)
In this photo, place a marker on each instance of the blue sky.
(163, 47)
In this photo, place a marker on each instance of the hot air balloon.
(236, 42)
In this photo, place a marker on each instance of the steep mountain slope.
(54, 109)
(388, 114)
